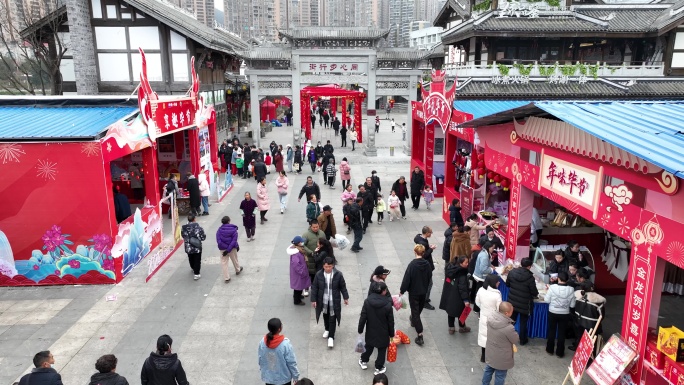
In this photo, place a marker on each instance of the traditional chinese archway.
(333, 93)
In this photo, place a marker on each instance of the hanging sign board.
(581, 357)
(613, 360)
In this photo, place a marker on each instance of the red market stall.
(333, 92)
(267, 110)
(616, 165)
(62, 158)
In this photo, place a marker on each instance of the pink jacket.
(262, 197)
(346, 195)
(345, 170)
(282, 183)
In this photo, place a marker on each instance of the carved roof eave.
(461, 7)
(332, 33)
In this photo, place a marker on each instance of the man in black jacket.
(195, 199)
(355, 224)
(328, 147)
(523, 290)
(378, 319)
(327, 288)
(375, 179)
(401, 188)
(343, 134)
(336, 125)
(368, 205)
(417, 186)
(309, 188)
(422, 239)
(247, 156)
(43, 373)
(106, 372)
(417, 277)
(260, 169)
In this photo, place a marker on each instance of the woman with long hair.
(277, 360)
(163, 366)
(247, 208)
(323, 251)
(488, 298)
(262, 199)
(455, 295)
(282, 183)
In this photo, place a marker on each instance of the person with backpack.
(193, 235)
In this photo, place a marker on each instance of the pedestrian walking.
(313, 209)
(354, 138)
(299, 272)
(192, 185)
(455, 212)
(392, 124)
(417, 277)
(403, 132)
(204, 192)
(312, 159)
(377, 124)
(422, 239)
(329, 147)
(247, 155)
(297, 160)
(336, 125)
(455, 293)
(331, 172)
(248, 210)
(326, 119)
(227, 241)
(313, 121)
(262, 199)
(278, 160)
(326, 222)
(310, 188)
(311, 237)
(277, 360)
(379, 275)
(380, 209)
(163, 366)
(193, 235)
(327, 291)
(483, 267)
(345, 173)
(401, 189)
(323, 250)
(348, 201)
(501, 342)
(394, 204)
(375, 180)
(43, 373)
(388, 109)
(377, 319)
(560, 298)
(237, 153)
(488, 298)
(355, 224)
(289, 157)
(523, 291)
(343, 136)
(282, 183)
(368, 205)
(417, 185)
(106, 372)
(428, 195)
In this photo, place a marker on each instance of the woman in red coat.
(278, 160)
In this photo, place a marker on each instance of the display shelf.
(657, 371)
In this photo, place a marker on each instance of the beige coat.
(501, 338)
(488, 300)
(474, 232)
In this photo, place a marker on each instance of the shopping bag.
(404, 302)
(392, 352)
(404, 338)
(341, 241)
(396, 301)
(360, 344)
(464, 315)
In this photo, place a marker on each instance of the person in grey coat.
(501, 340)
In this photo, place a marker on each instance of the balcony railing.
(535, 69)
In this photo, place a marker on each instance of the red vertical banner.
(638, 303)
(429, 151)
(466, 201)
(193, 142)
(333, 106)
(149, 170)
(513, 217)
(305, 105)
(344, 112)
(358, 125)
(213, 142)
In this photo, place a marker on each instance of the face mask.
(52, 366)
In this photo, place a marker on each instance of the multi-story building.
(401, 14)
(428, 9)
(426, 38)
(204, 11)
(417, 25)
(253, 19)
(571, 49)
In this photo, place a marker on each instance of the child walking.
(330, 172)
(394, 206)
(428, 195)
(380, 208)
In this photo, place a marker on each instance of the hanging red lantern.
(490, 176)
(481, 173)
(481, 164)
(480, 157)
(497, 179)
(505, 183)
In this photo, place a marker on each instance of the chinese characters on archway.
(348, 68)
(569, 178)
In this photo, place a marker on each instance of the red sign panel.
(174, 115)
(512, 230)
(581, 357)
(417, 111)
(466, 201)
(615, 357)
(429, 152)
(436, 108)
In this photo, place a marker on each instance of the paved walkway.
(216, 326)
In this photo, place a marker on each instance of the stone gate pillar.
(255, 124)
(412, 97)
(296, 103)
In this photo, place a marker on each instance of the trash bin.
(391, 150)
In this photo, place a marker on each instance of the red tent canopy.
(285, 101)
(340, 93)
(267, 110)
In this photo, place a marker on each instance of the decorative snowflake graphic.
(675, 251)
(605, 219)
(90, 148)
(47, 169)
(623, 225)
(10, 152)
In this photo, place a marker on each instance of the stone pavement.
(216, 326)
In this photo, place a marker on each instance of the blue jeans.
(283, 201)
(205, 204)
(499, 376)
(358, 235)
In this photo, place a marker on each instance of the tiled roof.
(484, 88)
(402, 54)
(462, 7)
(216, 39)
(334, 33)
(272, 53)
(58, 122)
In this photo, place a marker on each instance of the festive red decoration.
(481, 172)
(490, 176)
(505, 183)
(480, 156)
(497, 179)
(481, 164)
